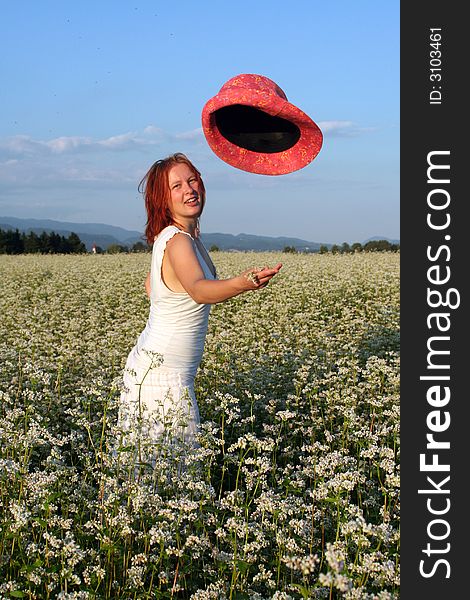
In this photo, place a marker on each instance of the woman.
(158, 401)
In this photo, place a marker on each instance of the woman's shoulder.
(168, 230)
(167, 234)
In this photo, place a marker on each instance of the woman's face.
(185, 199)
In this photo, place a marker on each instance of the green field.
(294, 491)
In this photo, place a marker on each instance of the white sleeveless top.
(177, 325)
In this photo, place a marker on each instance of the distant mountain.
(378, 237)
(90, 233)
(104, 235)
(260, 243)
(119, 233)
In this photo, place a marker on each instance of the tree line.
(371, 246)
(16, 242)
(118, 248)
(345, 248)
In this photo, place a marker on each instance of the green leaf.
(242, 566)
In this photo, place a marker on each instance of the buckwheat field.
(294, 490)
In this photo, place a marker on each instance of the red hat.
(250, 125)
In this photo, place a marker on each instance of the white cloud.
(152, 130)
(194, 134)
(120, 160)
(24, 146)
(120, 142)
(342, 128)
(20, 145)
(67, 144)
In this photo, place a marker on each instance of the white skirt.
(158, 407)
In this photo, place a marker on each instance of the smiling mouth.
(194, 200)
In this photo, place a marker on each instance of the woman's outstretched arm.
(185, 264)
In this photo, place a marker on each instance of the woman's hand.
(257, 278)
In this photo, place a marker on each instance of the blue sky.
(93, 92)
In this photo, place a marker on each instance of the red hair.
(156, 190)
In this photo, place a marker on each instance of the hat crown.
(252, 82)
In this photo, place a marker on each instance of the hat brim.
(286, 161)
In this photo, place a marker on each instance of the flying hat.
(251, 125)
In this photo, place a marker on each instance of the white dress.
(158, 403)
